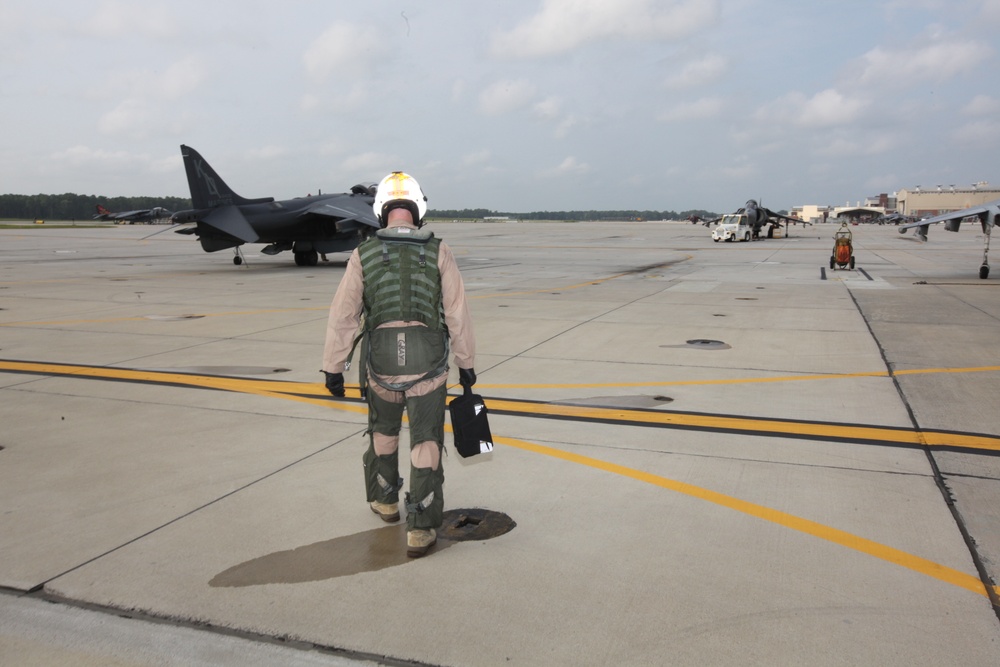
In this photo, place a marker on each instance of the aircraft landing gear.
(984, 270)
(306, 258)
(238, 258)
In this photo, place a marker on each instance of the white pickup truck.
(732, 227)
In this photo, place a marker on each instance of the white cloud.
(266, 153)
(344, 49)
(478, 158)
(936, 62)
(569, 166)
(548, 108)
(982, 105)
(979, 133)
(739, 172)
(181, 78)
(698, 72)
(342, 100)
(842, 147)
(370, 162)
(827, 108)
(85, 155)
(703, 108)
(565, 125)
(128, 19)
(563, 25)
(131, 118)
(991, 10)
(505, 96)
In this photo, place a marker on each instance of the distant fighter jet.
(308, 226)
(988, 215)
(144, 215)
(757, 216)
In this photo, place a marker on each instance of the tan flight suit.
(342, 328)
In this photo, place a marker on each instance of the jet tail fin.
(208, 190)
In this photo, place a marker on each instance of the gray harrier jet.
(308, 226)
(755, 216)
(987, 214)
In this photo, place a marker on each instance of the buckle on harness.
(416, 508)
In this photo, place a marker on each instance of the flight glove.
(466, 377)
(335, 383)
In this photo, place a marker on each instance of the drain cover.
(474, 524)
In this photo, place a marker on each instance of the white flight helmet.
(399, 189)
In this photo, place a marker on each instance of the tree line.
(71, 206)
(578, 216)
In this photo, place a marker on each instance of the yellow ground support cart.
(843, 248)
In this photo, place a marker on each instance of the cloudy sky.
(511, 105)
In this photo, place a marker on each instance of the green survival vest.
(403, 283)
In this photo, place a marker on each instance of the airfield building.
(926, 202)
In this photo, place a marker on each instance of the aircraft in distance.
(308, 226)
(755, 216)
(894, 219)
(987, 214)
(145, 215)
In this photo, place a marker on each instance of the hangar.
(925, 203)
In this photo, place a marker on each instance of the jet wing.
(129, 215)
(230, 219)
(953, 216)
(343, 209)
(772, 214)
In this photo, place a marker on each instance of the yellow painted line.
(828, 533)
(307, 392)
(268, 388)
(752, 425)
(295, 390)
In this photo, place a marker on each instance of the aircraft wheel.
(300, 259)
(237, 260)
(984, 271)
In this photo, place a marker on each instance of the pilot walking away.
(403, 289)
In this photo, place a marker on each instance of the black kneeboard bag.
(470, 424)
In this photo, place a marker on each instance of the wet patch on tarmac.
(223, 370)
(369, 551)
(634, 402)
(703, 344)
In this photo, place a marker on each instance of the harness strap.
(416, 508)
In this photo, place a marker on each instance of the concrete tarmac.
(711, 453)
